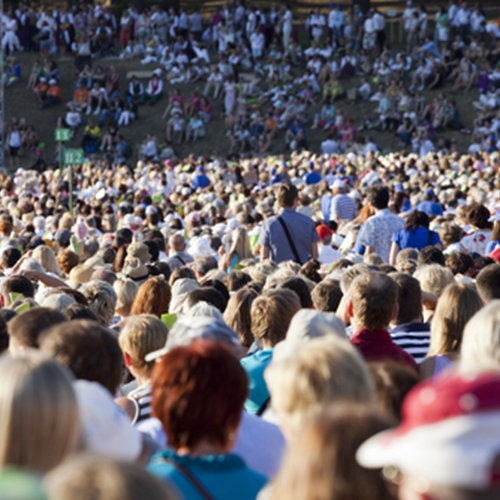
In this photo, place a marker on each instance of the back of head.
(40, 423)
(374, 300)
(25, 329)
(488, 283)
(237, 314)
(17, 284)
(409, 299)
(287, 195)
(481, 340)
(141, 335)
(271, 314)
(393, 381)
(78, 311)
(88, 349)
(321, 462)
(204, 294)
(459, 263)
(326, 295)
(187, 387)
(434, 278)
(153, 297)
(429, 256)
(378, 196)
(324, 370)
(101, 298)
(299, 286)
(100, 478)
(455, 307)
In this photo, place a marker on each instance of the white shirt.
(287, 21)
(378, 21)
(260, 443)
(329, 147)
(327, 254)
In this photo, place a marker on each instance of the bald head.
(177, 242)
(373, 301)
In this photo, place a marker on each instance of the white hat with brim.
(449, 436)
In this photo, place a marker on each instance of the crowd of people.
(284, 326)
(270, 84)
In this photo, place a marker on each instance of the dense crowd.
(275, 86)
(299, 326)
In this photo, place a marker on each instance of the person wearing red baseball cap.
(448, 444)
(326, 253)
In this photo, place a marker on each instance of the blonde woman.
(39, 415)
(238, 251)
(47, 258)
(321, 465)
(323, 371)
(456, 306)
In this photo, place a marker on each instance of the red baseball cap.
(450, 433)
(323, 231)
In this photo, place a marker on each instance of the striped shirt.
(142, 397)
(343, 207)
(414, 338)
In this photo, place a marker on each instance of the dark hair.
(180, 273)
(4, 336)
(88, 349)
(162, 268)
(430, 255)
(189, 399)
(459, 263)
(236, 280)
(488, 283)
(326, 295)
(153, 249)
(10, 257)
(393, 381)
(378, 196)
(26, 327)
(417, 219)
(205, 294)
(299, 286)
(19, 284)
(78, 311)
(409, 298)
(287, 194)
(478, 215)
(221, 288)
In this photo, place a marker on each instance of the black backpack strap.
(290, 241)
(431, 238)
(263, 407)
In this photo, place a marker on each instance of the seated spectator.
(53, 95)
(154, 90)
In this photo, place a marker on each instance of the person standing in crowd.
(377, 231)
(290, 235)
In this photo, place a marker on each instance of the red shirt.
(379, 346)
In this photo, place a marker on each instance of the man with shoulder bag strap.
(290, 235)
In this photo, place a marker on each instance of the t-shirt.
(254, 366)
(418, 238)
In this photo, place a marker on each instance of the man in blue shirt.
(200, 179)
(429, 205)
(301, 242)
(312, 177)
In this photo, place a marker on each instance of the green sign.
(63, 134)
(73, 157)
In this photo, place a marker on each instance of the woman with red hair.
(198, 395)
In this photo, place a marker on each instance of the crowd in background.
(284, 326)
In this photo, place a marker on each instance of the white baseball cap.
(449, 435)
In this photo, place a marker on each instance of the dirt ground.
(22, 103)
